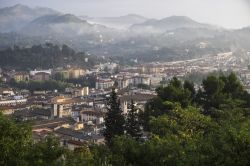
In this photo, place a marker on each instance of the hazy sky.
(227, 13)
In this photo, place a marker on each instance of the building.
(155, 80)
(104, 83)
(13, 102)
(141, 80)
(33, 72)
(92, 115)
(62, 107)
(110, 67)
(21, 76)
(66, 134)
(139, 99)
(41, 76)
(81, 92)
(76, 73)
(151, 69)
(72, 144)
(123, 82)
(62, 73)
(5, 92)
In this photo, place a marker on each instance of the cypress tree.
(114, 120)
(132, 122)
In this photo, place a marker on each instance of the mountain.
(122, 22)
(57, 19)
(167, 24)
(242, 37)
(63, 25)
(15, 17)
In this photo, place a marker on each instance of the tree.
(189, 86)
(79, 157)
(46, 152)
(114, 120)
(153, 108)
(15, 139)
(143, 86)
(175, 92)
(132, 122)
(59, 77)
(212, 94)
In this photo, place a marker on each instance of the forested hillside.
(43, 56)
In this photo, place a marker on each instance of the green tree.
(175, 92)
(59, 77)
(80, 156)
(114, 120)
(190, 86)
(15, 139)
(46, 152)
(132, 124)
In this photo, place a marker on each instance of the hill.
(122, 22)
(15, 17)
(166, 24)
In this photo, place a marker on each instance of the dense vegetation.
(49, 85)
(43, 56)
(184, 126)
(87, 80)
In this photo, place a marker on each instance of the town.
(75, 113)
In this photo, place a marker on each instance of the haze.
(226, 13)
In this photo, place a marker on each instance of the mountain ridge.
(168, 23)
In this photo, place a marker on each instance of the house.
(76, 73)
(32, 114)
(41, 76)
(13, 101)
(10, 109)
(151, 68)
(104, 83)
(51, 124)
(123, 82)
(66, 134)
(78, 92)
(64, 73)
(33, 72)
(5, 92)
(72, 144)
(21, 76)
(139, 99)
(62, 107)
(92, 115)
(41, 134)
(140, 79)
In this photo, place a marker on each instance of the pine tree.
(114, 120)
(132, 122)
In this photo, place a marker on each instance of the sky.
(226, 13)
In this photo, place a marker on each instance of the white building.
(141, 80)
(12, 102)
(104, 83)
(34, 72)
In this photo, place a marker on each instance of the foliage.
(132, 125)
(88, 80)
(81, 156)
(175, 92)
(43, 56)
(143, 86)
(17, 148)
(40, 85)
(44, 152)
(14, 141)
(114, 120)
